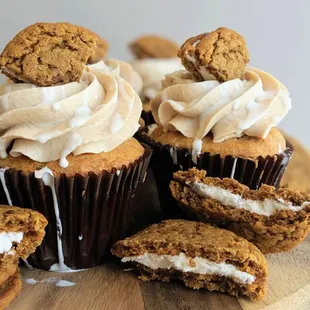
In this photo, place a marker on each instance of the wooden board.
(110, 287)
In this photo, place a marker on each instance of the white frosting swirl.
(232, 109)
(122, 69)
(152, 71)
(48, 123)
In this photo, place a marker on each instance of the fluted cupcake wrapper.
(166, 160)
(95, 211)
(148, 118)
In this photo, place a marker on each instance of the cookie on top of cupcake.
(66, 143)
(219, 115)
(155, 56)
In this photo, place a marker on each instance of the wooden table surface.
(113, 288)
(110, 287)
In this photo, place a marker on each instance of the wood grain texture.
(107, 287)
(110, 287)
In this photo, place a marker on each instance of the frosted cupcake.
(219, 116)
(155, 57)
(66, 145)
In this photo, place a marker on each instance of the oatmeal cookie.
(221, 54)
(47, 54)
(198, 254)
(152, 46)
(10, 289)
(274, 220)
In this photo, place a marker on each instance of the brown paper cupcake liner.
(95, 211)
(166, 160)
(148, 118)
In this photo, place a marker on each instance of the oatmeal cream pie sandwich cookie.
(155, 57)
(275, 220)
(220, 116)
(68, 151)
(10, 289)
(200, 255)
(21, 231)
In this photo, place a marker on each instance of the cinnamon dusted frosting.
(152, 71)
(94, 115)
(249, 106)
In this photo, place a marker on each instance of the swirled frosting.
(249, 106)
(92, 116)
(152, 71)
(122, 69)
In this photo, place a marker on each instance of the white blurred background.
(277, 33)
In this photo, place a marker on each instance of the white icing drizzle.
(48, 95)
(80, 237)
(63, 92)
(280, 150)
(48, 179)
(82, 114)
(73, 142)
(174, 155)
(233, 170)
(53, 280)
(64, 283)
(197, 146)
(151, 128)
(27, 264)
(3, 183)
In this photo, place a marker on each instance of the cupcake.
(66, 146)
(155, 57)
(220, 116)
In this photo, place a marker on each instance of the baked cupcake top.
(218, 93)
(95, 114)
(155, 57)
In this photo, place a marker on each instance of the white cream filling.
(225, 197)
(7, 239)
(197, 265)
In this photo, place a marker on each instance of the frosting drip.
(251, 106)
(92, 116)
